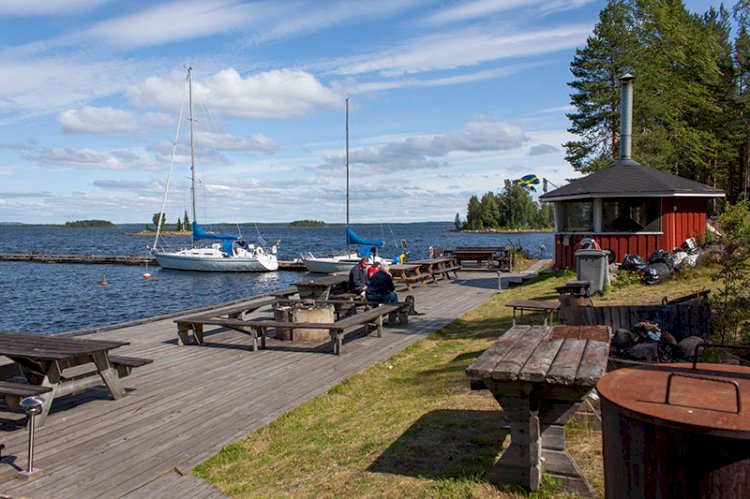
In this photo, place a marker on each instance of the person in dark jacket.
(381, 288)
(358, 277)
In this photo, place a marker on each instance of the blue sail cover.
(352, 238)
(199, 233)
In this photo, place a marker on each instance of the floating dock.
(108, 259)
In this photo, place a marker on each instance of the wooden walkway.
(193, 400)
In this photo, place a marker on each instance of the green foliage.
(730, 303)
(307, 223)
(155, 219)
(179, 224)
(91, 223)
(691, 104)
(186, 225)
(513, 208)
(457, 222)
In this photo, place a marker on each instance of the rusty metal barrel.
(676, 430)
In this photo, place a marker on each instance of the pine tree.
(596, 90)
(186, 224)
(179, 224)
(474, 214)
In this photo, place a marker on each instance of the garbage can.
(593, 265)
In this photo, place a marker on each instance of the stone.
(687, 346)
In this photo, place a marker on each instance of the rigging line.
(171, 166)
(260, 238)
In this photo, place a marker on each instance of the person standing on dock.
(381, 288)
(358, 277)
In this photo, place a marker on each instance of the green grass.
(410, 427)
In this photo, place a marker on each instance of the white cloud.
(173, 22)
(542, 149)
(277, 94)
(48, 86)
(463, 48)
(422, 152)
(46, 7)
(91, 119)
(479, 9)
(25, 194)
(90, 159)
(228, 142)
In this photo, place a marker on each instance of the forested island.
(307, 223)
(99, 224)
(512, 209)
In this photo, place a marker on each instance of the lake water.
(51, 298)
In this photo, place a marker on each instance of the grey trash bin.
(593, 265)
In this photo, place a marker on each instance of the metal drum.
(676, 430)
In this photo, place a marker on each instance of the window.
(576, 216)
(631, 215)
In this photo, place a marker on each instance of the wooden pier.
(193, 400)
(108, 259)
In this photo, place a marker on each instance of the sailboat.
(227, 253)
(343, 262)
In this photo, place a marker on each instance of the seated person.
(358, 277)
(381, 288)
(372, 269)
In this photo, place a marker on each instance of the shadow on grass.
(446, 444)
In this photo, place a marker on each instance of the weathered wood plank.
(539, 363)
(565, 365)
(512, 363)
(482, 367)
(591, 368)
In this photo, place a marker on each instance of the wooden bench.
(14, 392)
(373, 317)
(195, 323)
(125, 365)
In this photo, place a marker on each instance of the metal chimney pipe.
(626, 115)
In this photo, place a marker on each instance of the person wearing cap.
(381, 288)
(358, 277)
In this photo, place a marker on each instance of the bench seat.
(125, 365)
(14, 392)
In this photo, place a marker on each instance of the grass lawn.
(410, 427)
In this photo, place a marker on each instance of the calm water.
(49, 298)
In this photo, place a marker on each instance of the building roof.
(629, 178)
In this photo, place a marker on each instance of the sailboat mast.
(192, 149)
(347, 175)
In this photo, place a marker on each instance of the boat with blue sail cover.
(344, 262)
(227, 253)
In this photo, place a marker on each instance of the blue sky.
(447, 99)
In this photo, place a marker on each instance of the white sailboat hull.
(330, 265)
(210, 261)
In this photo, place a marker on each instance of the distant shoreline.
(501, 231)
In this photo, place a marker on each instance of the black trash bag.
(655, 273)
(661, 256)
(632, 262)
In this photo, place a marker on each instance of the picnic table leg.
(51, 379)
(182, 334)
(109, 375)
(520, 463)
(380, 326)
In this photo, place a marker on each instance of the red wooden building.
(628, 208)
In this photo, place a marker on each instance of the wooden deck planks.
(193, 400)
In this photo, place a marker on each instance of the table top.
(45, 347)
(440, 259)
(538, 354)
(534, 304)
(328, 280)
(403, 266)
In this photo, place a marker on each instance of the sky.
(447, 99)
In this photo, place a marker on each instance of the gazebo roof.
(629, 178)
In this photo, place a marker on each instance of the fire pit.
(302, 312)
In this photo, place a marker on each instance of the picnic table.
(321, 288)
(539, 375)
(549, 307)
(408, 273)
(51, 366)
(501, 257)
(437, 268)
